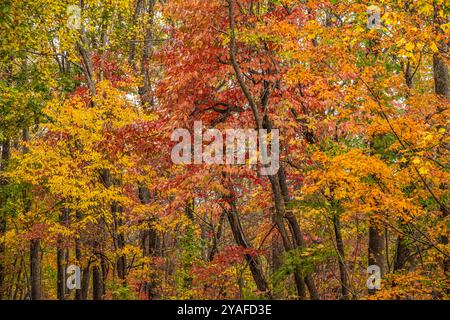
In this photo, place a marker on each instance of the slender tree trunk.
(442, 88)
(149, 245)
(86, 58)
(121, 263)
(403, 250)
(145, 89)
(61, 276)
(240, 239)
(5, 155)
(61, 257)
(282, 200)
(341, 258)
(253, 261)
(82, 294)
(216, 238)
(35, 244)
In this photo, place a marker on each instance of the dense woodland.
(87, 109)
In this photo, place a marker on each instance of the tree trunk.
(441, 78)
(82, 294)
(240, 239)
(253, 261)
(61, 259)
(149, 245)
(5, 155)
(282, 199)
(403, 251)
(442, 89)
(341, 258)
(35, 269)
(402, 254)
(35, 244)
(376, 249)
(121, 263)
(86, 275)
(97, 283)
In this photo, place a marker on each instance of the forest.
(97, 98)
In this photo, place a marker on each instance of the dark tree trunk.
(253, 261)
(279, 222)
(341, 258)
(86, 275)
(35, 269)
(441, 78)
(61, 276)
(149, 245)
(403, 254)
(121, 263)
(282, 199)
(82, 294)
(78, 292)
(240, 239)
(216, 238)
(97, 283)
(35, 244)
(118, 236)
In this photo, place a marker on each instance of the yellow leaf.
(424, 170)
(434, 47)
(409, 46)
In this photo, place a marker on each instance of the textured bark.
(441, 78)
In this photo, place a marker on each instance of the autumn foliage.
(87, 179)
